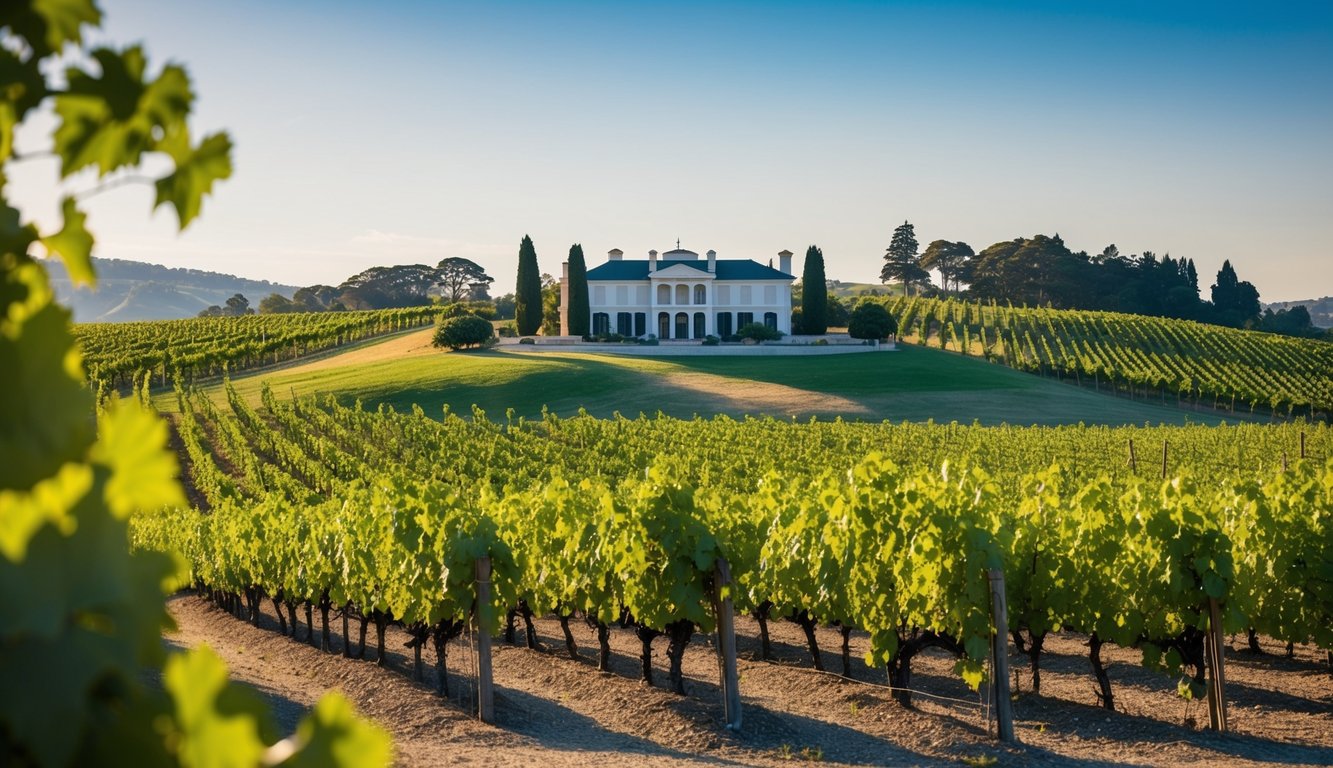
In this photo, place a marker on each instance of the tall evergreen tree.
(901, 261)
(1235, 301)
(580, 318)
(814, 293)
(528, 292)
(1224, 291)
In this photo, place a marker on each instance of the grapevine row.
(1171, 359)
(869, 543)
(117, 355)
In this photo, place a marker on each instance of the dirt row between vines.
(561, 712)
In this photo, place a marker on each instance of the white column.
(651, 325)
(784, 313)
(710, 316)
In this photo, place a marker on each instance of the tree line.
(1043, 271)
(1037, 271)
(452, 280)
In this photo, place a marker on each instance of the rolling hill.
(131, 290)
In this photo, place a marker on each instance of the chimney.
(652, 261)
(784, 262)
(564, 299)
(712, 261)
(614, 254)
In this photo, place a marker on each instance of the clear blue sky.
(400, 132)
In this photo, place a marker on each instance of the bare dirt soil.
(561, 712)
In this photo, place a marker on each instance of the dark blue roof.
(727, 269)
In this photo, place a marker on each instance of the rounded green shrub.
(871, 321)
(463, 332)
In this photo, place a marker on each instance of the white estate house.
(680, 296)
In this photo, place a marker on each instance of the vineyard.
(1152, 357)
(118, 355)
(1130, 536)
(1172, 362)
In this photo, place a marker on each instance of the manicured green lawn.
(911, 384)
(910, 369)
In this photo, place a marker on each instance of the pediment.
(682, 272)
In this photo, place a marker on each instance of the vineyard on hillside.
(1161, 359)
(1177, 361)
(379, 516)
(118, 355)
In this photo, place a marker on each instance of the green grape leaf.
(23, 513)
(48, 24)
(973, 672)
(22, 87)
(111, 120)
(219, 724)
(64, 19)
(53, 677)
(332, 734)
(144, 473)
(73, 244)
(44, 407)
(196, 170)
(15, 237)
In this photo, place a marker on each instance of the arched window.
(771, 320)
(700, 294)
(682, 294)
(640, 323)
(663, 325)
(700, 325)
(682, 326)
(663, 294)
(601, 323)
(624, 324)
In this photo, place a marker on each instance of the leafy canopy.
(83, 615)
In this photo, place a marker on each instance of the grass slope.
(912, 384)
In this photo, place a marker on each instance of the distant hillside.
(1321, 310)
(133, 290)
(854, 290)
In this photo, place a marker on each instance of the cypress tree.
(528, 291)
(814, 293)
(580, 320)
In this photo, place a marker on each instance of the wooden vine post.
(1214, 645)
(1164, 449)
(726, 644)
(485, 680)
(1004, 714)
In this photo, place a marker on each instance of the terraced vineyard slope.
(1151, 357)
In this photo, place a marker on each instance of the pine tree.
(528, 291)
(814, 293)
(901, 261)
(580, 319)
